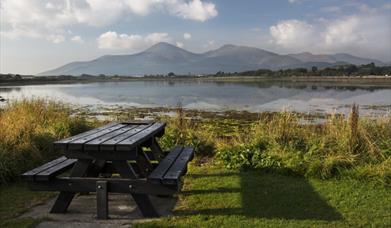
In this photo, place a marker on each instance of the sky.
(39, 35)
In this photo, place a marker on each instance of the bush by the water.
(355, 147)
(27, 130)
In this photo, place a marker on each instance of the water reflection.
(216, 95)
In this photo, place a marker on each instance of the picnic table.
(120, 157)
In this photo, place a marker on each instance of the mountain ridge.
(162, 58)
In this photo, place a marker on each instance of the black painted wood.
(139, 138)
(143, 162)
(142, 200)
(110, 145)
(95, 169)
(139, 122)
(102, 203)
(179, 167)
(125, 169)
(156, 151)
(62, 144)
(158, 173)
(113, 155)
(31, 174)
(94, 144)
(64, 198)
(114, 185)
(78, 143)
(53, 171)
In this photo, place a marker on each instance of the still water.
(215, 96)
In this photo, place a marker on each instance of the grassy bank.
(354, 147)
(28, 128)
(276, 142)
(267, 169)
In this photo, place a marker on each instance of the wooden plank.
(140, 137)
(64, 142)
(65, 197)
(45, 175)
(144, 164)
(139, 122)
(179, 167)
(102, 204)
(78, 143)
(156, 151)
(109, 145)
(93, 145)
(30, 174)
(115, 185)
(142, 200)
(158, 174)
(117, 156)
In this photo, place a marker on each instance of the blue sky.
(37, 35)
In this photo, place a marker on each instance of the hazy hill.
(334, 58)
(163, 58)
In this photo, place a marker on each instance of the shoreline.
(383, 81)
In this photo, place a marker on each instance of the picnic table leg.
(156, 150)
(64, 198)
(142, 200)
(144, 163)
(102, 205)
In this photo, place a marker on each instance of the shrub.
(359, 147)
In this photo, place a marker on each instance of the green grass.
(16, 199)
(217, 197)
(356, 147)
(333, 174)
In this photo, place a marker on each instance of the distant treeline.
(342, 70)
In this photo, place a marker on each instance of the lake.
(254, 96)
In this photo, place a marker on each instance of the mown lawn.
(216, 197)
(213, 196)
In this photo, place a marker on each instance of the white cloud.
(77, 39)
(38, 19)
(141, 7)
(292, 33)
(194, 10)
(56, 38)
(186, 36)
(179, 44)
(367, 33)
(132, 42)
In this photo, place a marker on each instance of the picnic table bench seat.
(173, 166)
(49, 170)
(116, 158)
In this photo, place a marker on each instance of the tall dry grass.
(27, 130)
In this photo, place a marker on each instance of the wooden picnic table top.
(121, 136)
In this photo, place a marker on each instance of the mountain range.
(163, 58)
